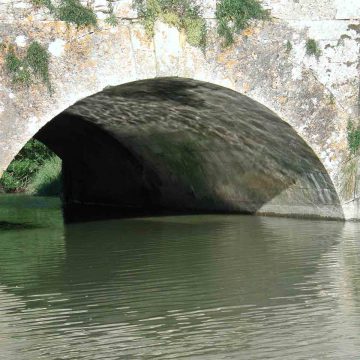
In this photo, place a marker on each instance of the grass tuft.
(233, 16)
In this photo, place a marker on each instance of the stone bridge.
(151, 122)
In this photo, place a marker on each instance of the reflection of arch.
(181, 144)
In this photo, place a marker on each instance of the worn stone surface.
(316, 97)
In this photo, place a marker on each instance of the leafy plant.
(312, 48)
(233, 16)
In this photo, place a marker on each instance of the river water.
(189, 287)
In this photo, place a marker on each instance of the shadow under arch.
(180, 145)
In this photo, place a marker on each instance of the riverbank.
(35, 170)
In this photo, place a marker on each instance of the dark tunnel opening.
(173, 145)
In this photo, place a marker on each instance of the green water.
(190, 287)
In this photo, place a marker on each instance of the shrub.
(235, 15)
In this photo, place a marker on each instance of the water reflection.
(211, 287)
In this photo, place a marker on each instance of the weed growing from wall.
(289, 47)
(73, 12)
(34, 64)
(70, 11)
(233, 16)
(183, 14)
(37, 59)
(312, 48)
(17, 68)
(353, 137)
(111, 19)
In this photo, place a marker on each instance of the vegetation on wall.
(233, 16)
(288, 46)
(70, 11)
(73, 12)
(312, 48)
(34, 64)
(17, 68)
(35, 169)
(111, 19)
(183, 14)
(353, 137)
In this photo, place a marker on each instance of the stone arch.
(177, 144)
(289, 85)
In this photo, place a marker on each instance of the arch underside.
(173, 144)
